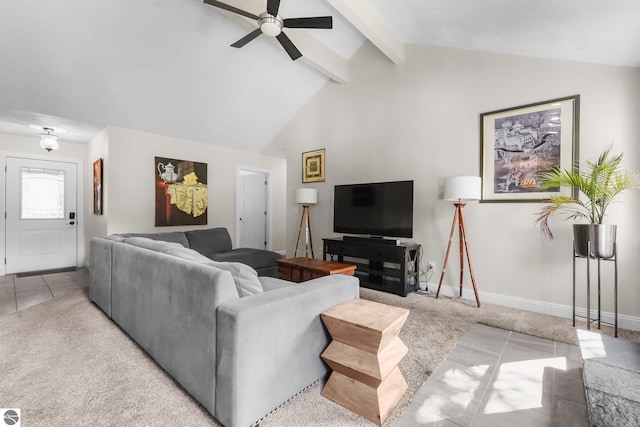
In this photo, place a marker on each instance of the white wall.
(420, 120)
(129, 172)
(96, 149)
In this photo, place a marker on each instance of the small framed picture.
(97, 186)
(520, 143)
(313, 166)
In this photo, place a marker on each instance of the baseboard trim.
(626, 322)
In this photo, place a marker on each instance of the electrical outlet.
(432, 266)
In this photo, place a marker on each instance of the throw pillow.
(245, 277)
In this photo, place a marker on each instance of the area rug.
(63, 362)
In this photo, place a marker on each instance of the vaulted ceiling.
(166, 66)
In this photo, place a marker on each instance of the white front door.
(41, 224)
(253, 210)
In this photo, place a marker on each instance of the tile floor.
(494, 377)
(17, 293)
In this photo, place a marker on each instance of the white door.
(253, 210)
(41, 224)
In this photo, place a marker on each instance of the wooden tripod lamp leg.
(463, 230)
(304, 210)
(446, 256)
(309, 227)
(461, 241)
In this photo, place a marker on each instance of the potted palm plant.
(599, 183)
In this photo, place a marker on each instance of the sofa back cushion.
(209, 241)
(244, 277)
(186, 253)
(153, 245)
(169, 236)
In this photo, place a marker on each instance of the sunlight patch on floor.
(591, 345)
(460, 387)
(520, 385)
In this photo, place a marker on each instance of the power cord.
(425, 272)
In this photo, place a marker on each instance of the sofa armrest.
(100, 273)
(269, 346)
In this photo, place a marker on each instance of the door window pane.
(42, 194)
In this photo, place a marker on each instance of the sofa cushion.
(154, 245)
(169, 236)
(209, 241)
(256, 258)
(186, 253)
(245, 277)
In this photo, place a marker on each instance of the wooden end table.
(302, 269)
(364, 356)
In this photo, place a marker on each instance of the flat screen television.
(376, 209)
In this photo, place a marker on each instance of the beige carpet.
(63, 362)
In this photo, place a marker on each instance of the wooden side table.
(364, 356)
(302, 269)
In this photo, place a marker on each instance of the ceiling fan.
(271, 24)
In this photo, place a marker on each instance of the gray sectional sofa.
(238, 343)
(215, 243)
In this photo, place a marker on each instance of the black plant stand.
(615, 285)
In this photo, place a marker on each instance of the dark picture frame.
(97, 186)
(518, 144)
(181, 191)
(313, 166)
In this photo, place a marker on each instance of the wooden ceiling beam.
(373, 26)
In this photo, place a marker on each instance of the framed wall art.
(313, 166)
(182, 196)
(97, 186)
(520, 143)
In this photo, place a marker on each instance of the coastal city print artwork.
(519, 144)
(182, 196)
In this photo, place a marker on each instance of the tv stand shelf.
(381, 265)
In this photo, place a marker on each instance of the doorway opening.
(253, 212)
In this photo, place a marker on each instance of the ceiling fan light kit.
(271, 24)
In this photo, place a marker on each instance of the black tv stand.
(371, 239)
(384, 266)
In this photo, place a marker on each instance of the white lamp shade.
(306, 196)
(462, 188)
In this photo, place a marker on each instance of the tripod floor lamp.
(460, 189)
(306, 197)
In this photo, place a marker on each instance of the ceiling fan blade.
(246, 39)
(288, 45)
(272, 7)
(324, 22)
(231, 9)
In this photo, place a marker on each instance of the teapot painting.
(167, 173)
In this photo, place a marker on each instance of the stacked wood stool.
(364, 357)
